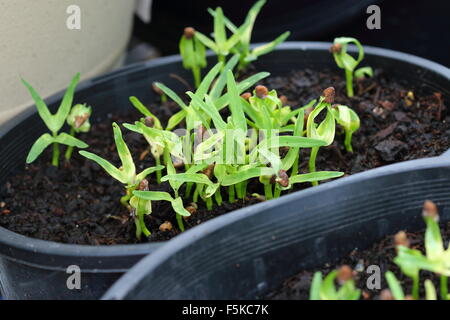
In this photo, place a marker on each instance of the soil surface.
(78, 203)
(380, 254)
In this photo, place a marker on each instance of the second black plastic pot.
(36, 269)
(246, 254)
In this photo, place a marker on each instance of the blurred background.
(36, 44)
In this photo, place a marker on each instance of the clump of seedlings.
(410, 261)
(347, 62)
(246, 54)
(126, 174)
(55, 122)
(239, 41)
(222, 137)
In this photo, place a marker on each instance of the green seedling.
(221, 44)
(126, 175)
(78, 120)
(436, 260)
(325, 289)
(345, 61)
(54, 123)
(349, 120)
(193, 53)
(246, 54)
(325, 131)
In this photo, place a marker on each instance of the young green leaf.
(153, 195)
(39, 146)
(394, 285)
(315, 176)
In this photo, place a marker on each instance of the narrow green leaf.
(264, 49)
(144, 110)
(188, 177)
(147, 172)
(208, 80)
(66, 104)
(68, 140)
(42, 109)
(221, 82)
(107, 166)
(128, 167)
(315, 176)
(394, 286)
(177, 205)
(153, 195)
(314, 293)
(240, 176)
(206, 41)
(237, 112)
(171, 94)
(176, 119)
(39, 146)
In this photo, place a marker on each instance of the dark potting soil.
(78, 203)
(380, 254)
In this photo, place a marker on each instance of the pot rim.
(11, 241)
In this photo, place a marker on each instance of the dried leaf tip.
(261, 91)
(157, 90)
(150, 122)
(401, 239)
(329, 94)
(336, 48)
(344, 274)
(189, 32)
(430, 210)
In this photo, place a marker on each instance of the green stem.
(415, 289)
(197, 76)
(221, 58)
(349, 78)
(218, 196)
(163, 98)
(124, 200)
(444, 288)
(69, 150)
(195, 196)
(158, 173)
(312, 162)
(231, 194)
(295, 166)
(209, 203)
(55, 158)
(268, 191)
(244, 188)
(348, 141)
(180, 222)
(277, 193)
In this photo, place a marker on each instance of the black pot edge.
(13, 244)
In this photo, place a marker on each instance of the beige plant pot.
(37, 45)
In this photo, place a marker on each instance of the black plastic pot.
(245, 254)
(36, 269)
